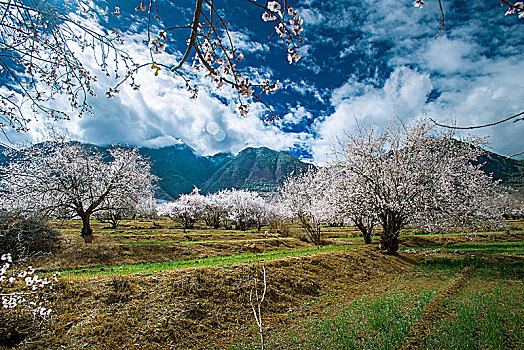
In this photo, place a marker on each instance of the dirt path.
(435, 311)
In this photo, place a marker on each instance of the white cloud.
(311, 17)
(244, 43)
(470, 72)
(404, 94)
(296, 115)
(162, 113)
(450, 56)
(476, 100)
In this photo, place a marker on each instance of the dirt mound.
(77, 254)
(202, 307)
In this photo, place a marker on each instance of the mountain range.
(180, 169)
(255, 169)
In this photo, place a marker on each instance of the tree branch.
(479, 126)
(441, 20)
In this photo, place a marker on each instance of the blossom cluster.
(288, 29)
(24, 288)
(239, 207)
(37, 37)
(516, 8)
(419, 3)
(513, 8)
(215, 53)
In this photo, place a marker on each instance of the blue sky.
(364, 61)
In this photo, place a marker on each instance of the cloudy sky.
(363, 61)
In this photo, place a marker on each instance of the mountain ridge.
(261, 169)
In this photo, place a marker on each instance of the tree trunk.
(392, 223)
(312, 230)
(365, 230)
(389, 243)
(87, 231)
(241, 225)
(188, 223)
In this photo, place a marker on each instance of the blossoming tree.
(415, 175)
(66, 179)
(306, 197)
(41, 43)
(187, 209)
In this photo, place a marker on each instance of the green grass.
(483, 268)
(152, 232)
(149, 242)
(489, 316)
(365, 323)
(488, 248)
(207, 262)
(484, 319)
(200, 241)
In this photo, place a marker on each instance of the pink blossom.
(419, 3)
(274, 6)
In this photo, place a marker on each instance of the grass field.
(485, 312)
(152, 285)
(205, 262)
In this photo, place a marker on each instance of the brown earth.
(199, 308)
(105, 251)
(204, 307)
(137, 242)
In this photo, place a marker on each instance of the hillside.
(180, 169)
(256, 169)
(510, 171)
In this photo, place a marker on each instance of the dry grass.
(199, 308)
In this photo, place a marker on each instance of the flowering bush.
(24, 288)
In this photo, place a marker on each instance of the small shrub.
(23, 237)
(283, 229)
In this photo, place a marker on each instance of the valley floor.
(439, 292)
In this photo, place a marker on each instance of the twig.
(478, 126)
(259, 300)
(516, 154)
(441, 20)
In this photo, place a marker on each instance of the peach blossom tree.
(418, 176)
(65, 179)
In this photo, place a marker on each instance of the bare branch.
(479, 126)
(516, 154)
(257, 312)
(441, 20)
